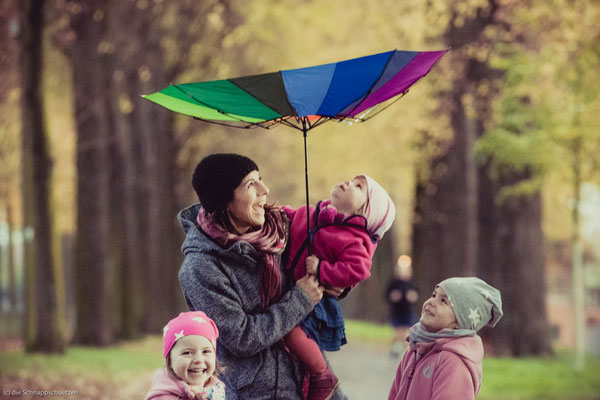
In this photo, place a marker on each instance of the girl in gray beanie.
(445, 353)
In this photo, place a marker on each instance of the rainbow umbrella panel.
(302, 98)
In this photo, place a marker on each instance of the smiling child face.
(193, 359)
(437, 313)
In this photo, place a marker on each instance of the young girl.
(189, 343)
(445, 353)
(344, 235)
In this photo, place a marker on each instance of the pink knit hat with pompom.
(189, 323)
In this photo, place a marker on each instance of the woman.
(232, 271)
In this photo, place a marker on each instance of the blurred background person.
(401, 294)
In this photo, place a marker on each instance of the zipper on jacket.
(410, 377)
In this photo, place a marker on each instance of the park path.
(365, 369)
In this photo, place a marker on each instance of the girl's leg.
(307, 350)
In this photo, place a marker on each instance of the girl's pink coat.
(343, 246)
(164, 387)
(449, 370)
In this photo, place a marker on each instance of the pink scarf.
(269, 241)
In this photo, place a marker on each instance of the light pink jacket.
(164, 387)
(449, 369)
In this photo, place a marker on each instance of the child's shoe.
(323, 385)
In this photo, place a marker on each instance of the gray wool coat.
(224, 283)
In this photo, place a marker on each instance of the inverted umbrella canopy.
(352, 90)
(303, 98)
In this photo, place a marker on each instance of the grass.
(546, 378)
(125, 360)
(360, 330)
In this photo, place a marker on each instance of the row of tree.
(127, 243)
(492, 135)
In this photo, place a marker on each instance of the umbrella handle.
(304, 134)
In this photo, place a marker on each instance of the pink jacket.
(164, 387)
(449, 369)
(342, 245)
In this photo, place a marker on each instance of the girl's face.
(193, 359)
(350, 196)
(437, 313)
(247, 206)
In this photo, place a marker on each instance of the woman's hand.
(310, 286)
(312, 264)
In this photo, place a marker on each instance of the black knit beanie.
(217, 176)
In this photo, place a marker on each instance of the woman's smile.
(247, 208)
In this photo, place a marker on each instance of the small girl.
(344, 235)
(189, 343)
(445, 353)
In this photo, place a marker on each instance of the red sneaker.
(323, 385)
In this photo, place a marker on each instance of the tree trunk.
(42, 325)
(445, 225)
(516, 266)
(92, 243)
(12, 275)
(157, 151)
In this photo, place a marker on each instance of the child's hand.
(312, 263)
(334, 291)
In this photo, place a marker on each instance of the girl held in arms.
(344, 234)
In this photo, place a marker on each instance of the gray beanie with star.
(475, 303)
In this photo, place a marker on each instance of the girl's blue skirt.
(325, 324)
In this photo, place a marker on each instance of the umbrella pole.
(304, 132)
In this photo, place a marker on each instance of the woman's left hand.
(310, 286)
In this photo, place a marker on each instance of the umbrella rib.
(268, 124)
(250, 125)
(289, 124)
(401, 95)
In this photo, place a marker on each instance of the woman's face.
(437, 313)
(349, 196)
(247, 206)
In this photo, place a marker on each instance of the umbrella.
(304, 98)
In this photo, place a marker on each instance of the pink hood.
(164, 387)
(450, 369)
